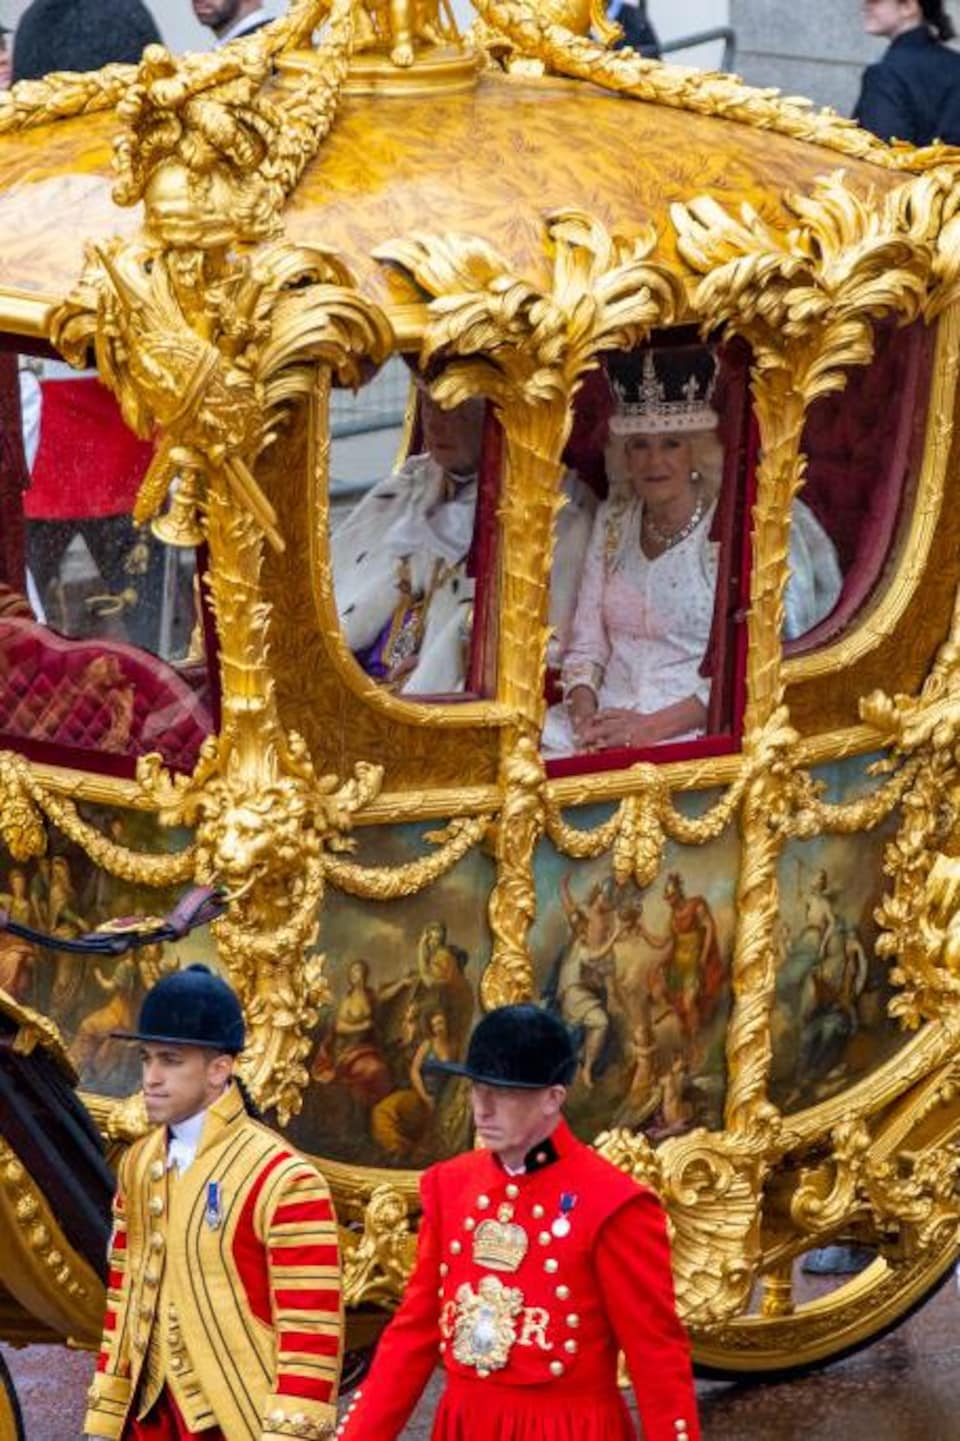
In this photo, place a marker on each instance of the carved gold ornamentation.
(25, 800)
(378, 1261)
(919, 916)
(915, 1189)
(386, 883)
(710, 1185)
(399, 27)
(42, 1271)
(209, 350)
(62, 94)
(526, 348)
(545, 35)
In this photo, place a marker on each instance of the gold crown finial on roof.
(211, 153)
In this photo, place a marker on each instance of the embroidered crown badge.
(500, 1245)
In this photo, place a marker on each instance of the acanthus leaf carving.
(526, 345)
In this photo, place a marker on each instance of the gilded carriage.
(507, 213)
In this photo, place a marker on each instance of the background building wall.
(674, 20)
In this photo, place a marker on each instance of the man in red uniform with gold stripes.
(224, 1316)
(538, 1262)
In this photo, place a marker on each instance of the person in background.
(80, 35)
(6, 63)
(913, 92)
(638, 33)
(229, 19)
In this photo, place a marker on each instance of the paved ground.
(905, 1388)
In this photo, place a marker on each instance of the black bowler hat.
(520, 1047)
(192, 1007)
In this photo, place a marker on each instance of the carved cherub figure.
(400, 24)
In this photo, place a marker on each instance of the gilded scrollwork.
(497, 334)
(377, 1261)
(43, 1272)
(550, 37)
(63, 94)
(710, 1185)
(914, 1189)
(208, 350)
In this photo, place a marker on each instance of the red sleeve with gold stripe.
(303, 1259)
(109, 1396)
(409, 1348)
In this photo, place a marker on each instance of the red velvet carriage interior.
(60, 696)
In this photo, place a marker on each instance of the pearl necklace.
(668, 539)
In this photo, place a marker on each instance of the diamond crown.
(648, 403)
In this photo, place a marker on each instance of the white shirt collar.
(248, 22)
(184, 1140)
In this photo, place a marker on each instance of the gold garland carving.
(533, 34)
(645, 820)
(209, 350)
(525, 348)
(388, 883)
(67, 93)
(24, 801)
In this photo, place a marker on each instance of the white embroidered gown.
(642, 625)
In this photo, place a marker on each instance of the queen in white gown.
(631, 674)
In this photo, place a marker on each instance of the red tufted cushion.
(94, 695)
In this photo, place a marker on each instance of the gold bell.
(180, 524)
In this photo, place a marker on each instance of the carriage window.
(861, 452)
(103, 637)
(648, 603)
(414, 546)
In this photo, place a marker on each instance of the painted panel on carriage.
(64, 894)
(643, 977)
(403, 988)
(830, 1022)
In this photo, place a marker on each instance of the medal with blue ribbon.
(213, 1215)
(561, 1224)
